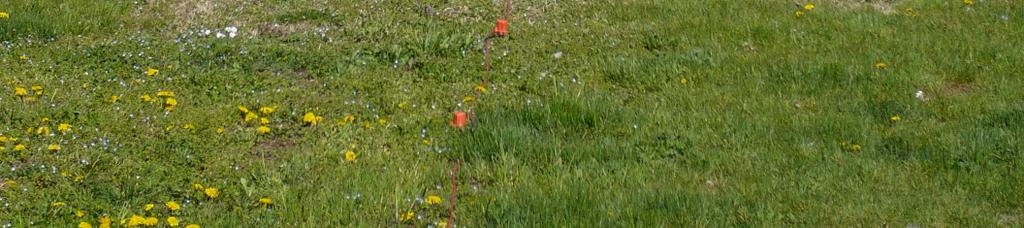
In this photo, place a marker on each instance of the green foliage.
(554, 130)
(48, 20)
(606, 113)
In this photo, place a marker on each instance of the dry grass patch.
(887, 7)
(197, 13)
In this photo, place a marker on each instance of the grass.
(601, 113)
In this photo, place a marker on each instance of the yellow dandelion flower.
(264, 121)
(4, 15)
(407, 216)
(57, 204)
(37, 89)
(809, 7)
(79, 213)
(173, 206)
(220, 130)
(403, 105)
(146, 98)
(211, 192)
(350, 156)
(64, 128)
(480, 89)
(170, 103)
(193, 226)
(4, 139)
(895, 118)
(265, 201)
(684, 81)
(881, 65)
(426, 142)
(136, 220)
(188, 126)
(43, 131)
(19, 147)
(382, 121)
(20, 91)
(442, 223)
(468, 99)
(311, 119)
(855, 147)
(152, 72)
(263, 129)
(433, 200)
(799, 13)
(172, 221)
(23, 58)
(148, 207)
(266, 110)
(53, 147)
(968, 2)
(249, 116)
(151, 221)
(165, 93)
(105, 222)
(197, 187)
(243, 109)
(84, 225)
(114, 98)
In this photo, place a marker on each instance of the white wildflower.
(232, 31)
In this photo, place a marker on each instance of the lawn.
(653, 113)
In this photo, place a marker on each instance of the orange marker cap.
(501, 29)
(459, 120)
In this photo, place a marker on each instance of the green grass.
(656, 113)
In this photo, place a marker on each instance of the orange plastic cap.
(502, 28)
(459, 120)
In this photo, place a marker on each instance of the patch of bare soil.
(884, 6)
(956, 88)
(198, 13)
(266, 149)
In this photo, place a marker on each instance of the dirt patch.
(955, 88)
(266, 148)
(1008, 220)
(887, 7)
(198, 13)
(284, 29)
(188, 13)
